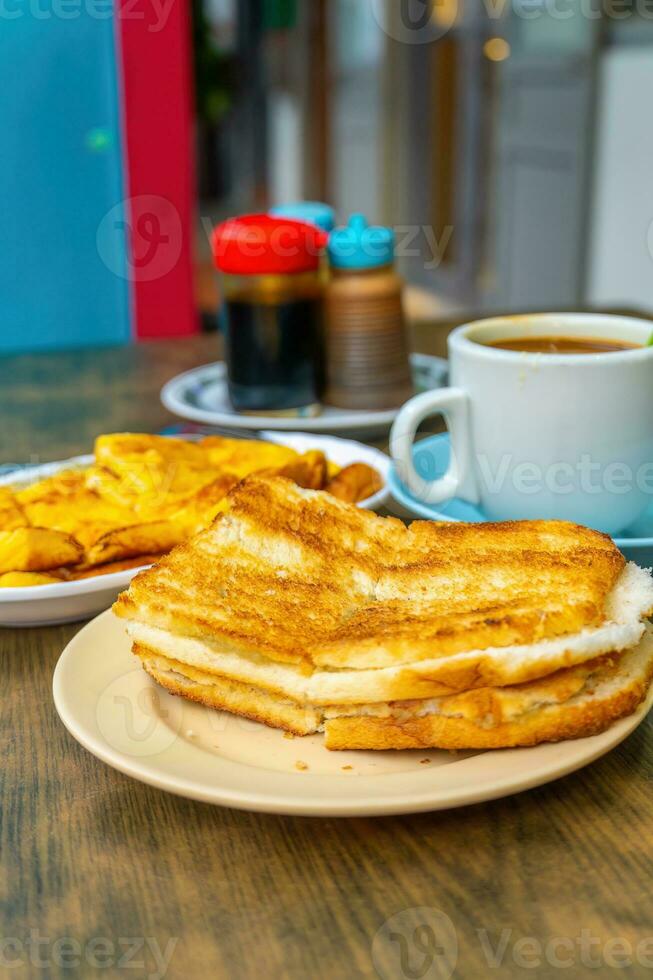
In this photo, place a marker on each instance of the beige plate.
(111, 706)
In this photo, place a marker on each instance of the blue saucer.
(432, 460)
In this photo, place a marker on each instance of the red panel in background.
(158, 126)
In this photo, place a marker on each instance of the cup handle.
(459, 480)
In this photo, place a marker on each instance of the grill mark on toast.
(303, 577)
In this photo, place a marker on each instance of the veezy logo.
(416, 944)
(140, 238)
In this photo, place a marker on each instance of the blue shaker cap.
(314, 212)
(361, 246)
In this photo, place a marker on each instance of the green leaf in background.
(650, 341)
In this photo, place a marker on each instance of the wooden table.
(92, 856)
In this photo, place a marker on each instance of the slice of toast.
(296, 577)
(571, 703)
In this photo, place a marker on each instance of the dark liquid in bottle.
(274, 352)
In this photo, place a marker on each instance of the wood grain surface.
(101, 873)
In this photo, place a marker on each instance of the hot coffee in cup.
(549, 416)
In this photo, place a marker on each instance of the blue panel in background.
(60, 175)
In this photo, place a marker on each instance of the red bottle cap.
(260, 244)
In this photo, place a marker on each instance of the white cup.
(566, 436)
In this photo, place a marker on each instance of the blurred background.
(507, 141)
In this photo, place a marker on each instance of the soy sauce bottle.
(271, 313)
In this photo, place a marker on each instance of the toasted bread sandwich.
(302, 611)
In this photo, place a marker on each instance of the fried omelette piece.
(183, 517)
(37, 549)
(149, 492)
(121, 452)
(172, 486)
(157, 492)
(123, 493)
(241, 457)
(358, 607)
(14, 580)
(11, 513)
(66, 503)
(106, 529)
(150, 470)
(199, 510)
(157, 477)
(354, 483)
(156, 537)
(65, 483)
(310, 470)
